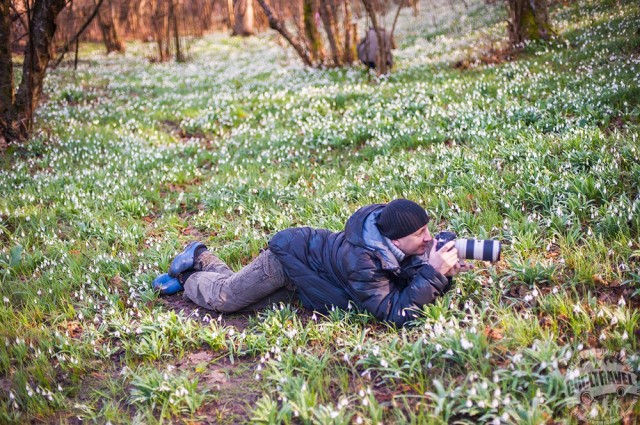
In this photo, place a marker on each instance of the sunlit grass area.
(538, 149)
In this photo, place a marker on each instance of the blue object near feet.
(185, 260)
(167, 285)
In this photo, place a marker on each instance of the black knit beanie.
(400, 218)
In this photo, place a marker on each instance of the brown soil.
(186, 308)
(232, 384)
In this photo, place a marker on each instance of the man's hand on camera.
(459, 267)
(444, 259)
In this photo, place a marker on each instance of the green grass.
(131, 160)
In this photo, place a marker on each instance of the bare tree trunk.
(243, 10)
(161, 32)
(381, 57)
(350, 34)
(331, 29)
(278, 25)
(232, 16)
(314, 39)
(16, 114)
(415, 5)
(7, 95)
(176, 34)
(108, 28)
(167, 28)
(528, 20)
(395, 21)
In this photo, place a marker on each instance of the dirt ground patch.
(187, 308)
(232, 384)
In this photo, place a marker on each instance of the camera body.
(471, 249)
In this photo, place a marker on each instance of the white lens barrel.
(474, 249)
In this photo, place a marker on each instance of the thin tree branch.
(278, 25)
(395, 20)
(68, 44)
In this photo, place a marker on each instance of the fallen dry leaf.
(216, 377)
(199, 357)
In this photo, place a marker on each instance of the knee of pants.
(225, 307)
(225, 301)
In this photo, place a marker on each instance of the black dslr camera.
(471, 249)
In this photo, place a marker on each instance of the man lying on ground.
(379, 263)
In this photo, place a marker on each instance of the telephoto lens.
(471, 249)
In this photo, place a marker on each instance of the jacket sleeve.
(390, 302)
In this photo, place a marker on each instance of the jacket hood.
(361, 230)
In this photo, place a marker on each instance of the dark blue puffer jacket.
(356, 266)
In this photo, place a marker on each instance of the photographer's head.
(405, 223)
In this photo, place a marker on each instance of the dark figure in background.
(368, 48)
(384, 262)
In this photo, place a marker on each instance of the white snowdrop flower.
(359, 420)
(496, 421)
(621, 302)
(257, 377)
(345, 357)
(534, 292)
(625, 336)
(384, 363)
(602, 336)
(361, 393)
(449, 352)
(334, 414)
(469, 403)
(593, 412)
(466, 344)
(555, 290)
(5, 299)
(528, 298)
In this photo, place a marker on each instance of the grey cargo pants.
(215, 286)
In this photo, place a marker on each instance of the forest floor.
(538, 149)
